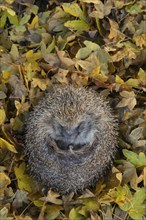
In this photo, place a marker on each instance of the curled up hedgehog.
(70, 139)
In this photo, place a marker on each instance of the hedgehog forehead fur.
(70, 106)
(75, 128)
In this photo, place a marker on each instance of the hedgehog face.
(75, 137)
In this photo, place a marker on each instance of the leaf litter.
(100, 44)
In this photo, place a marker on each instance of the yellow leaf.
(78, 25)
(31, 56)
(52, 197)
(140, 40)
(142, 76)
(25, 182)
(132, 82)
(114, 31)
(6, 75)
(73, 9)
(2, 116)
(65, 60)
(128, 100)
(119, 80)
(9, 1)
(34, 23)
(9, 10)
(4, 182)
(41, 83)
(61, 76)
(7, 145)
(80, 79)
(95, 72)
(21, 107)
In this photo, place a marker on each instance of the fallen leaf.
(135, 159)
(128, 99)
(19, 198)
(7, 145)
(25, 182)
(52, 197)
(2, 116)
(4, 214)
(4, 182)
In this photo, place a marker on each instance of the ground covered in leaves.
(100, 44)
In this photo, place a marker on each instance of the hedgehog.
(70, 139)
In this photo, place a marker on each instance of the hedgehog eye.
(81, 127)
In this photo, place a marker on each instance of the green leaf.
(24, 19)
(86, 51)
(52, 211)
(13, 19)
(14, 52)
(134, 9)
(137, 210)
(137, 160)
(89, 204)
(3, 19)
(77, 25)
(74, 214)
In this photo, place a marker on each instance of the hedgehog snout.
(67, 144)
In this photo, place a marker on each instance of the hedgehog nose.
(64, 145)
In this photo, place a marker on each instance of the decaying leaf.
(20, 197)
(52, 197)
(128, 100)
(4, 214)
(4, 182)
